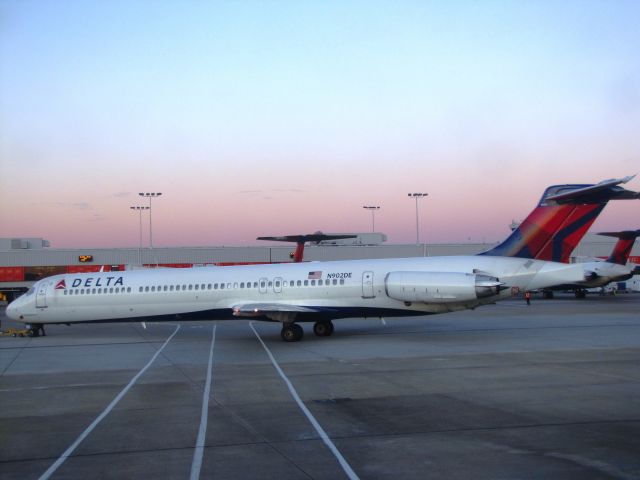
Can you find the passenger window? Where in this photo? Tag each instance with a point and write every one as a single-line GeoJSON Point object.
{"type": "Point", "coordinates": [209, 287]}
{"type": "Point", "coordinates": [313, 283]}
{"type": "Point", "coordinates": [222, 286]}
{"type": "Point", "coordinates": [306, 283]}
{"type": "Point", "coordinates": [299, 283]}
{"type": "Point", "coordinates": [342, 281]}
{"type": "Point", "coordinates": [270, 284]}
{"type": "Point", "coordinates": [215, 286]}
{"type": "Point", "coordinates": [229, 285]}
{"type": "Point", "coordinates": [241, 284]}
{"type": "Point", "coordinates": [335, 281]}
{"type": "Point", "coordinates": [202, 287]}
{"type": "Point", "coordinates": [319, 282]}
{"type": "Point", "coordinates": [197, 287]}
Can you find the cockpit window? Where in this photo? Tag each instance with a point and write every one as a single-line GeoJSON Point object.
{"type": "Point", "coordinates": [30, 291]}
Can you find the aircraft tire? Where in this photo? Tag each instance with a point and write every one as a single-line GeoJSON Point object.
{"type": "Point", "coordinates": [323, 329]}
{"type": "Point", "coordinates": [292, 333]}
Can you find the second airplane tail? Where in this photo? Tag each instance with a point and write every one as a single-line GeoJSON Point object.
{"type": "Point", "coordinates": [622, 250]}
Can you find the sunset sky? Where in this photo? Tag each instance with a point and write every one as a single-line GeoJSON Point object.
{"type": "Point", "coordinates": [285, 117]}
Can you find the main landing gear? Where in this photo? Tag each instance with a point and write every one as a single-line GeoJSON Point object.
{"type": "Point", "coordinates": [292, 332]}
{"type": "Point", "coordinates": [323, 329]}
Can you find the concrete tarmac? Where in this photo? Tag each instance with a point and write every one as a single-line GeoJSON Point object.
{"type": "Point", "coordinates": [508, 391]}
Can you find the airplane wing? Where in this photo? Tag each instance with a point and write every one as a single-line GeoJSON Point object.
{"type": "Point", "coordinates": [603, 191]}
{"type": "Point", "coordinates": [271, 309]}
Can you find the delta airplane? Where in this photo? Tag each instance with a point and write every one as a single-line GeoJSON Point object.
{"type": "Point", "coordinates": [599, 273]}
{"type": "Point", "coordinates": [323, 291]}
{"type": "Point", "coordinates": [288, 293]}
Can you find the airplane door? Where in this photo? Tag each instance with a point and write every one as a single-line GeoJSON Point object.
{"type": "Point", "coordinates": [262, 285]}
{"type": "Point", "coordinates": [367, 285]}
{"type": "Point", "coordinates": [41, 295]}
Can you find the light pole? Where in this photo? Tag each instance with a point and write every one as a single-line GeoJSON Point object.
{"type": "Point", "coordinates": [150, 196]}
{"type": "Point", "coordinates": [372, 209]}
{"type": "Point", "coordinates": [140, 209]}
{"type": "Point", "coordinates": [417, 196]}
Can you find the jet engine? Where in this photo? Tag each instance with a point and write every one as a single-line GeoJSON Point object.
{"type": "Point", "coordinates": [440, 287]}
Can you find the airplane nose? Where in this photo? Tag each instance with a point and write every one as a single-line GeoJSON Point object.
{"type": "Point", "coordinates": [11, 311]}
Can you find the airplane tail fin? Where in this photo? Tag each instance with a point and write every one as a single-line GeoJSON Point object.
{"type": "Point", "coordinates": [623, 247]}
{"type": "Point", "coordinates": [300, 240]}
{"type": "Point", "coordinates": [560, 220]}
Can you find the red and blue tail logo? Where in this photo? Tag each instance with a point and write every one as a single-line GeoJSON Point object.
{"type": "Point", "coordinates": [561, 219]}
{"type": "Point", "coordinates": [622, 250]}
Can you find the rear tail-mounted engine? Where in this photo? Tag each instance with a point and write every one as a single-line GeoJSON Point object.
{"type": "Point", "coordinates": [440, 287]}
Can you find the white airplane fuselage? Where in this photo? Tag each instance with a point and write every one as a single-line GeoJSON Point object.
{"type": "Point", "coordinates": [600, 273]}
{"type": "Point", "coordinates": [288, 292]}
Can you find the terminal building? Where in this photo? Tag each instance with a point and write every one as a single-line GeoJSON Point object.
{"type": "Point", "coordinates": [23, 261]}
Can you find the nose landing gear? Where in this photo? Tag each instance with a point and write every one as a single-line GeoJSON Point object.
{"type": "Point", "coordinates": [36, 329]}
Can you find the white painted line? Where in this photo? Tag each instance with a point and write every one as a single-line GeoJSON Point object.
{"type": "Point", "coordinates": [325, 438]}
{"type": "Point", "coordinates": [196, 465]}
{"type": "Point", "coordinates": [106, 412]}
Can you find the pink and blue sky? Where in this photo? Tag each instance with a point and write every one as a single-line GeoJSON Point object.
{"type": "Point", "coordinates": [282, 117]}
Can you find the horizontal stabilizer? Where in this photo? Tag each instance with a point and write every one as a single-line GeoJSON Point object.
{"type": "Point", "coordinates": [312, 237]}
{"type": "Point", "coordinates": [300, 240]}
{"type": "Point", "coordinates": [624, 234]}
{"type": "Point", "coordinates": [600, 192]}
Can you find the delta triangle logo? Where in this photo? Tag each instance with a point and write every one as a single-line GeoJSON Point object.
{"type": "Point", "coordinates": [61, 285]}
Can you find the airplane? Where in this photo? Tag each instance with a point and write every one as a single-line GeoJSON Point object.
{"type": "Point", "coordinates": [599, 273]}
{"type": "Point", "coordinates": [317, 292]}
{"type": "Point", "coordinates": [288, 293]}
